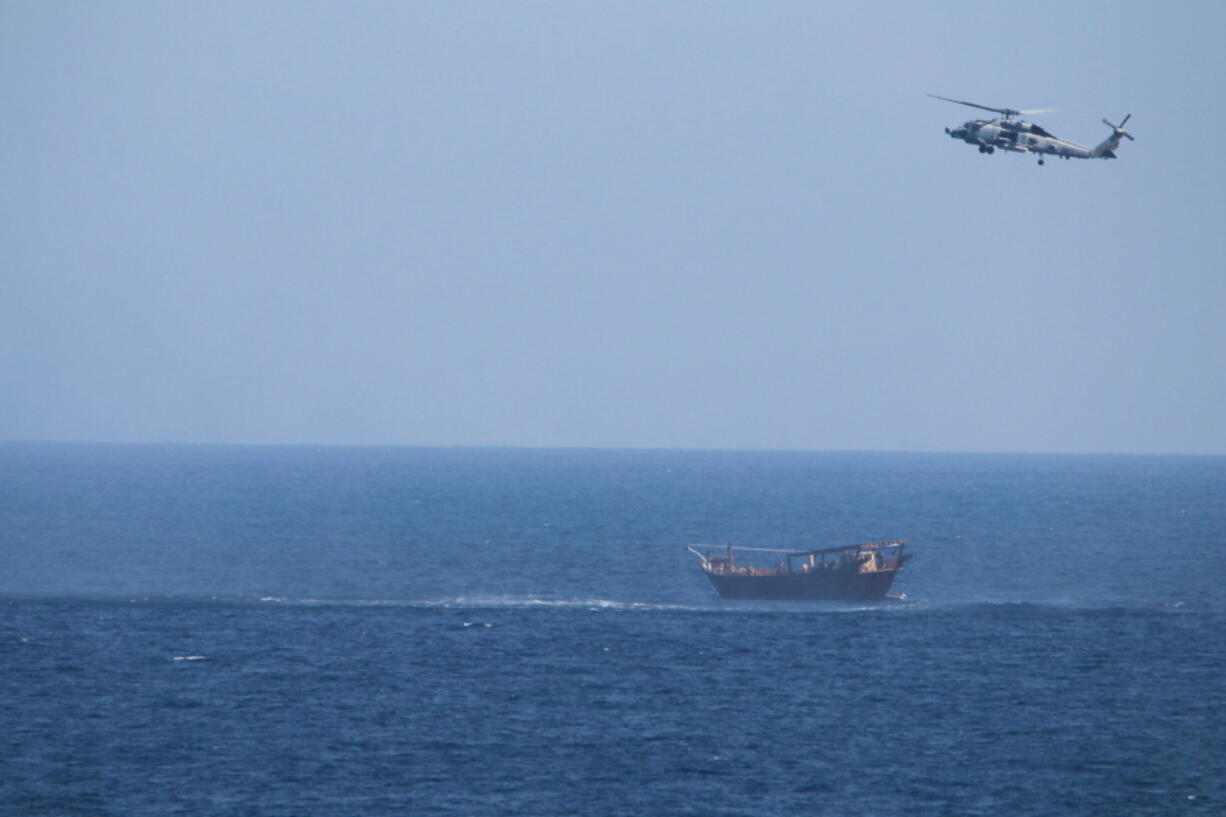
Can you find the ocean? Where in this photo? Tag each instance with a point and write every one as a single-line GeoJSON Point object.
{"type": "Point", "coordinates": [311, 631]}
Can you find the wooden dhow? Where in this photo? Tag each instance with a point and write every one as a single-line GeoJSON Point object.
{"type": "Point", "coordinates": [848, 573]}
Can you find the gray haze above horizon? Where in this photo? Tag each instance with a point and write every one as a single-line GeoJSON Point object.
{"type": "Point", "coordinates": [639, 224]}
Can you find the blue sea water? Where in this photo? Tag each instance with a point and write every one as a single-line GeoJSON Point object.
{"type": "Point", "coordinates": [403, 631]}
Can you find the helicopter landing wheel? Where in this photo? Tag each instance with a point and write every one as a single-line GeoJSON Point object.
{"type": "Point", "coordinates": [1040, 163]}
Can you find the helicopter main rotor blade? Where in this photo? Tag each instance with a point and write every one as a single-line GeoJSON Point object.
{"type": "Point", "coordinates": [1005, 111]}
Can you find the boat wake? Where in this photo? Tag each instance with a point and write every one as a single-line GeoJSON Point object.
{"type": "Point", "coordinates": [487, 602]}
{"type": "Point", "coordinates": [717, 606]}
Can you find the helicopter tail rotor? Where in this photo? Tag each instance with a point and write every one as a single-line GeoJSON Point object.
{"type": "Point", "coordinates": [1119, 129]}
{"type": "Point", "coordinates": [1107, 149]}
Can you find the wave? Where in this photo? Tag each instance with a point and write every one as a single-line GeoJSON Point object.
{"type": "Point", "coordinates": [713, 606]}
{"type": "Point", "coordinates": [473, 602]}
{"type": "Point", "coordinates": [1055, 606]}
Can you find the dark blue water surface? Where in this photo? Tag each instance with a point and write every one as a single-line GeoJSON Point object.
{"type": "Point", "coordinates": [349, 631]}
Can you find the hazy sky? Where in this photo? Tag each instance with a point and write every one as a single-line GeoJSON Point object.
{"type": "Point", "coordinates": [649, 224]}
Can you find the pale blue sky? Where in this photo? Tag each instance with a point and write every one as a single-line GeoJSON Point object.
{"type": "Point", "coordinates": [689, 224]}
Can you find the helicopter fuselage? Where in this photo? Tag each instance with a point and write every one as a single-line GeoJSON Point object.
{"type": "Point", "coordinates": [1023, 137]}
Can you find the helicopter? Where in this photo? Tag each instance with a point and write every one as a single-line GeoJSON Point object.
{"type": "Point", "coordinates": [1019, 136]}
